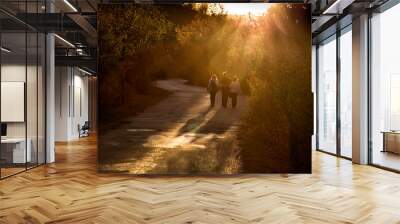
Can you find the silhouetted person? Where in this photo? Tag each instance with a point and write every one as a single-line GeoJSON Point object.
{"type": "Point", "coordinates": [234, 91]}
{"type": "Point", "coordinates": [225, 85]}
{"type": "Point", "coordinates": [212, 88]}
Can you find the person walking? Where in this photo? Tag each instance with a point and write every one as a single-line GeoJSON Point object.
{"type": "Point", "coordinates": [234, 91]}
{"type": "Point", "coordinates": [212, 89]}
{"type": "Point", "coordinates": [225, 85]}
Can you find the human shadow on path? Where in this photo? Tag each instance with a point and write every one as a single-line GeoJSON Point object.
{"type": "Point", "coordinates": [126, 142]}
{"type": "Point", "coordinates": [212, 148]}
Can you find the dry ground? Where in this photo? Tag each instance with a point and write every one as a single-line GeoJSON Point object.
{"type": "Point", "coordinates": [179, 135]}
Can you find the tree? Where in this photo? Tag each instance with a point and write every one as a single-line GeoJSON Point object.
{"type": "Point", "coordinates": [279, 120]}
{"type": "Point", "coordinates": [125, 32]}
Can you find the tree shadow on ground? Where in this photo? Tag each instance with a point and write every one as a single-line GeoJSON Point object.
{"type": "Point", "coordinates": [179, 135]}
{"type": "Point", "coordinates": [124, 143]}
{"type": "Point", "coordinates": [220, 153]}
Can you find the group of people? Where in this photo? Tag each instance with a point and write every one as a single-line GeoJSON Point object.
{"type": "Point", "coordinates": [230, 88]}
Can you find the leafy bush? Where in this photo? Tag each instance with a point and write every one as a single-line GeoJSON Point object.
{"type": "Point", "coordinates": [277, 126]}
{"type": "Point", "coordinates": [271, 55]}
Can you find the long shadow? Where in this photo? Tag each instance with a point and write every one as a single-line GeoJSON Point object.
{"type": "Point", "coordinates": [193, 123]}
{"type": "Point", "coordinates": [125, 145]}
{"type": "Point", "coordinates": [219, 155]}
{"type": "Point", "coordinates": [220, 122]}
{"type": "Point", "coordinates": [125, 142]}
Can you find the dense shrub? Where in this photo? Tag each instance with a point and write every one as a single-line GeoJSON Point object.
{"type": "Point", "coordinates": [271, 55]}
{"type": "Point", "coordinates": [277, 126]}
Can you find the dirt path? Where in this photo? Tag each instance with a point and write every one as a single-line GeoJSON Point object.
{"type": "Point", "coordinates": [179, 135]}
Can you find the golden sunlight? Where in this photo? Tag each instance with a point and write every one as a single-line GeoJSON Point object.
{"type": "Point", "coordinates": [256, 9]}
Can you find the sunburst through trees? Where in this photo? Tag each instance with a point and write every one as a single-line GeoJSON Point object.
{"type": "Point", "coordinates": [270, 53]}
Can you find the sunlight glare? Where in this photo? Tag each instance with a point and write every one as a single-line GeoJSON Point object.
{"type": "Point", "coordinates": [256, 9]}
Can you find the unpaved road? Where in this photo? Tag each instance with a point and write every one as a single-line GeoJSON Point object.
{"type": "Point", "coordinates": [179, 135]}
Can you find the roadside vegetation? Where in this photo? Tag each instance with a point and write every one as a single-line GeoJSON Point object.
{"type": "Point", "coordinates": [270, 54]}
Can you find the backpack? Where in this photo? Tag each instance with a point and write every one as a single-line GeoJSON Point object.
{"type": "Point", "coordinates": [212, 87]}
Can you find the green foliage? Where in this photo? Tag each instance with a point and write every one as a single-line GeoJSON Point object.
{"type": "Point", "coordinates": [271, 55]}
{"type": "Point", "coordinates": [278, 122]}
{"type": "Point", "coordinates": [123, 31]}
